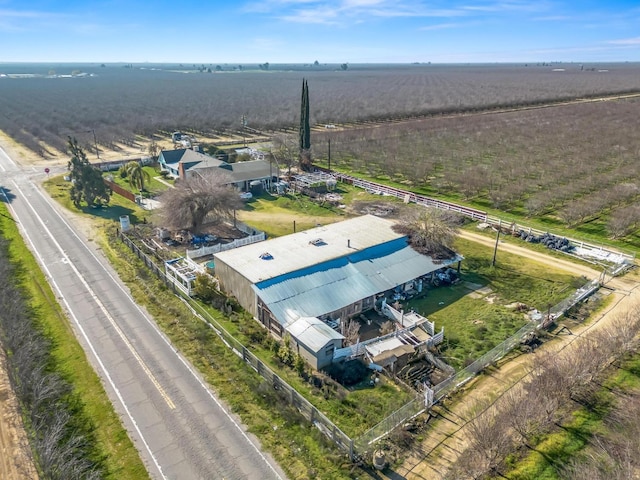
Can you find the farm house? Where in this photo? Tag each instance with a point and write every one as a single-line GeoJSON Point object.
{"type": "Point", "coordinates": [183, 163]}
{"type": "Point", "coordinates": [329, 274]}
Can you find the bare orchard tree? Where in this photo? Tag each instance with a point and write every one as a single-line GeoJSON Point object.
{"type": "Point", "coordinates": [285, 151]}
{"type": "Point", "coordinates": [430, 231]}
{"type": "Point", "coordinates": [525, 413]}
{"type": "Point", "coordinates": [188, 204]}
{"type": "Point", "coordinates": [614, 453]}
{"type": "Point", "coordinates": [489, 443]}
{"type": "Point", "coordinates": [620, 337]}
{"type": "Point", "coordinates": [623, 221]}
{"type": "Point", "coordinates": [351, 331]}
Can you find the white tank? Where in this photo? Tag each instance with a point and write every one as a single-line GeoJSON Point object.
{"type": "Point", "coordinates": [124, 223]}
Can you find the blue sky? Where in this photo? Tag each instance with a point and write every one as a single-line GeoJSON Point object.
{"type": "Point", "coordinates": [302, 31]}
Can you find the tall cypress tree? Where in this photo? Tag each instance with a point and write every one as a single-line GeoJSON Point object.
{"type": "Point", "coordinates": [305, 129]}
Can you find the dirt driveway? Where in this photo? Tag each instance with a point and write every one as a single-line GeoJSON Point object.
{"type": "Point", "coordinates": [445, 437]}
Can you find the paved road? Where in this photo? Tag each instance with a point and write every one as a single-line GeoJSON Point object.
{"type": "Point", "coordinates": [177, 423]}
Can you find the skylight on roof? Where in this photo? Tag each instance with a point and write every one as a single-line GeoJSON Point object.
{"type": "Point", "coordinates": [266, 256]}
{"type": "Point", "coordinates": [318, 242]}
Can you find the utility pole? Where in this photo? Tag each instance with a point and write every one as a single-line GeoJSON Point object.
{"type": "Point", "coordinates": [95, 142]}
{"type": "Point", "coordinates": [329, 154]}
{"type": "Point", "coordinates": [244, 127]}
{"type": "Point", "coordinates": [495, 250]}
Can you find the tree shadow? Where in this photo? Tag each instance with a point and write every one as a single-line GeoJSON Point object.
{"type": "Point", "coordinates": [110, 212]}
{"type": "Point", "coordinates": [6, 196]}
{"type": "Point", "coordinates": [388, 474]}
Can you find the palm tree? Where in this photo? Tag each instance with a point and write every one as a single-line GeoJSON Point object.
{"type": "Point", "coordinates": [136, 175]}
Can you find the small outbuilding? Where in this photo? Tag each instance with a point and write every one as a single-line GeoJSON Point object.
{"type": "Point", "coordinates": [314, 340]}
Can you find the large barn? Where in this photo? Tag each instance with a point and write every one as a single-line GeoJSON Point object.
{"type": "Point", "coordinates": [308, 281]}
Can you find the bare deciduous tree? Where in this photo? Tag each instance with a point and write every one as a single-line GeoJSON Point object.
{"type": "Point", "coordinates": [351, 331]}
{"type": "Point", "coordinates": [285, 151]}
{"type": "Point", "coordinates": [430, 231]}
{"type": "Point", "coordinates": [489, 439]}
{"type": "Point", "coordinates": [188, 205]}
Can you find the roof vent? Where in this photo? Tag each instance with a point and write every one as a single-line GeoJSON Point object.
{"type": "Point", "coordinates": [318, 242]}
{"type": "Point", "coordinates": [266, 256]}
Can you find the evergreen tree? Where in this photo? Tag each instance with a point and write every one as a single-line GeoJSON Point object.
{"type": "Point", "coordinates": [305, 129]}
{"type": "Point", "coordinates": [88, 185]}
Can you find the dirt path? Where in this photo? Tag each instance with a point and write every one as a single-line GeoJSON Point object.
{"type": "Point", "coordinates": [445, 438]}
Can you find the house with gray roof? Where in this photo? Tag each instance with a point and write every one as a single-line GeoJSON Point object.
{"type": "Point", "coordinates": [184, 163]}
{"type": "Point", "coordinates": [329, 274]}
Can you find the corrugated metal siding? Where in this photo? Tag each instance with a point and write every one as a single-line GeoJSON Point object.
{"type": "Point", "coordinates": [235, 284]}
{"type": "Point", "coordinates": [314, 334]}
{"type": "Point", "coordinates": [337, 284]}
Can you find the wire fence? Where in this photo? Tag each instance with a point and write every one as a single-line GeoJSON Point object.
{"type": "Point", "coordinates": [401, 416]}
{"type": "Point", "coordinates": [286, 392]}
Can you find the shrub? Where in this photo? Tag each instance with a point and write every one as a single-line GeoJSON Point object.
{"type": "Point", "coordinates": [348, 373]}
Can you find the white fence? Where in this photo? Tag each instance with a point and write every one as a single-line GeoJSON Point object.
{"type": "Point", "coordinates": [379, 189]}
{"type": "Point", "coordinates": [221, 247]}
{"type": "Point", "coordinates": [584, 249]}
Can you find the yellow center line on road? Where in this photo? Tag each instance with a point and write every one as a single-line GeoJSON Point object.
{"type": "Point", "coordinates": [133, 351]}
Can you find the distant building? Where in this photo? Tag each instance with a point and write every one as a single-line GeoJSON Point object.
{"type": "Point", "coordinates": [308, 283]}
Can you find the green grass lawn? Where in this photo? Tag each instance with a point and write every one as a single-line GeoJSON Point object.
{"type": "Point", "coordinates": [284, 214]}
{"type": "Point", "coordinates": [473, 326]}
{"type": "Point", "coordinates": [113, 446]}
{"type": "Point", "coordinates": [152, 188]}
{"type": "Point", "coordinates": [58, 189]}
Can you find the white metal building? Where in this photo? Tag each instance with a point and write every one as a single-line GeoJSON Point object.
{"type": "Point", "coordinates": [329, 273]}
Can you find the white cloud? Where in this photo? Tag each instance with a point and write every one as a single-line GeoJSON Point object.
{"type": "Point", "coordinates": [626, 41]}
{"type": "Point", "coordinates": [442, 26]}
{"type": "Point", "coordinates": [26, 20]}
{"type": "Point", "coordinates": [350, 11]}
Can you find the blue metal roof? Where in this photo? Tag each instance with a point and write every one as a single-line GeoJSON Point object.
{"type": "Point", "coordinates": [335, 284]}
